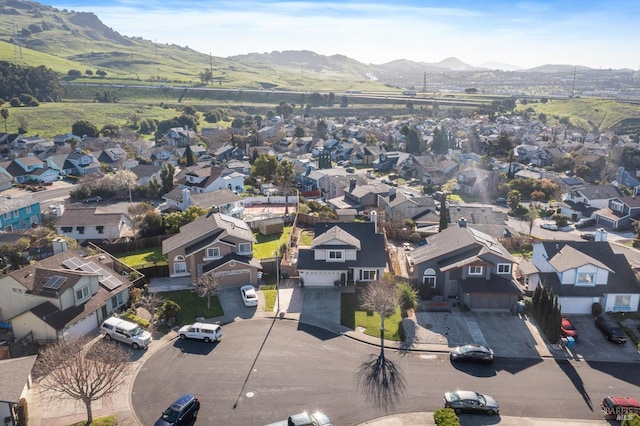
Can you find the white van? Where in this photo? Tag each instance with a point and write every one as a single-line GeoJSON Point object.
{"type": "Point", "coordinates": [126, 332]}
{"type": "Point", "coordinates": [201, 331]}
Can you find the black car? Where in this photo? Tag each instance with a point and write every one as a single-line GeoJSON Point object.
{"type": "Point", "coordinates": [471, 402]}
{"type": "Point", "coordinates": [471, 353]}
{"type": "Point", "coordinates": [181, 412]}
{"type": "Point", "coordinates": [589, 236]}
{"type": "Point", "coordinates": [611, 330]}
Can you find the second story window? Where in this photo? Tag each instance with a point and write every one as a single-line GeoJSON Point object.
{"type": "Point", "coordinates": [475, 270]}
{"type": "Point", "coordinates": [335, 255]}
{"type": "Point", "coordinates": [504, 268]}
{"type": "Point", "coordinates": [80, 230]}
{"type": "Point", "coordinates": [100, 229]}
{"type": "Point", "coordinates": [213, 252]}
{"type": "Point", "coordinates": [82, 293]}
{"type": "Point", "coordinates": [244, 248]}
{"type": "Point", "coordinates": [66, 229]}
{"type": "Point", "coordinates": [16, 213]}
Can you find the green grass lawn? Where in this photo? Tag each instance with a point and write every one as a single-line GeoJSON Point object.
{"type": "Point", "coordinates": [143, 258]}
{"type": "Point", "coordinates": [352, 317]}
{"type": "Point", "coordinates": [102, 421]}
{"type": "Point", "coordinates": [305, 238]}
{"type": "Point", "coordinates": [192, 306]}
{"type": "Point", "coordinates": [269, 299]}
{"type": "Point", "coordinates": [268, 244]}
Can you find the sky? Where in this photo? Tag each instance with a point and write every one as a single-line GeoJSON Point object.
{"type": "Point", "coordinates": [594, 33]}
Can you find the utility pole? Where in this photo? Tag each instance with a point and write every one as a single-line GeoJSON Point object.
{"type": "Point", "coordinates": [277, 283]}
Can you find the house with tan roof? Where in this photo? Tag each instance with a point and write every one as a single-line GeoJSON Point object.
{"type": "Point", "coordinates": [217, 244]}
{"type": "Point", "coordinates": [205, 178]}
{"type": "Point", "coordinates": [90, 224]}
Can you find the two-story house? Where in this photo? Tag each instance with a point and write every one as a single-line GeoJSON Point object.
{"type": "Point", "coordinates": [399, 205]}
{"type": "Point", "coordinates": [63, 296]}
{"type": "Point", "coordinates": [596, 196]}
{"type": "Point", "coordinates": [343, 254]}
{"type": "Point", "coordinates": [205, 178]}
{"type": "Point", "coordinates": [76, 163]}
{"type": "Point", "coordinates": [90, 224]}
{"type": "Point", "coordinates": [222, 201]}
{"type": "Point", "coordinates": [30, 169]}
{"type": "Point", "coordinates": [19, 213]}
{"type": "Point", "coordinates": [216, 244]}
{"type": "Point", "coordinates": [582, 273]}
{"type": "Point", "coordinates": [114, 158]}
{"type": "Point", "coordinates": [466, 264]}
{"type": "Point", "coordinates": [619, 214]}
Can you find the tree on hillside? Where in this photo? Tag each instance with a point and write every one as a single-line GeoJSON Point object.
{"type": "Point", "coordinates": [73, 370]}
{"type": "Point", "coordinates": [264, 167]}
{"type": "Point", "coordinates": [84, 128]}
{"type": "Point", "coordinates": [5, 115]}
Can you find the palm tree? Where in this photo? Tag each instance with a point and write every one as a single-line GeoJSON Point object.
{"type": "Point", "coordinates": [284, 175]}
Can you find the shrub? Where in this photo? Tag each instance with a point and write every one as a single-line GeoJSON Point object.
{"type": "Point", "coordinates": [445, 417]}
{"type": "Point", "coordinates": [22, 413]}
{"type": "Point", "coordinates": [596, 309]}
{"type": "Point", "coordinates": [130, 316]}
{"type": "Point", "coordinates": [414, 238]}
{"type": "Point", "coordinates": [631, 420]}
{"type": "Point", "coordinates": [408, 297]}
{"type": "Point", "coordinates": [170, 311]}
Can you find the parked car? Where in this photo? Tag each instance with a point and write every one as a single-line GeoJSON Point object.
{"type": "Point", "coordinates": [126, 332]}
{"type": "Point", "coordinates": [589, 236]}
{"type": "Point", "coordinates": [611, 330]}
{"type": "Point", "coordinates": [471, 402]}
{"type": "Point", "coordinates": [585, 222]}
{"type": "Point", "coordinates": [181, 412]}
{"type": "Point", "coordinates": [249, 295]}
{"type": "Point", "coordinates": [94, 199]}
{"type": "Point", "coordinates": [471, 353]}
{"type": "Point", "coordinates": [567, 329]}
{"type": "Point", "coordinates": [616, 407]}
{"type": "Point", "coordinates": [201, 331]}
{"type": "Point", "coordinates": [549, 226]}
{"type": "Point", "coordinates": [304, 419]}
{"type": "Point", "coordinates": [500, 201]}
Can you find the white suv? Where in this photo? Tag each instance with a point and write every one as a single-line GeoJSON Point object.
{"type": "Point", "coordinates": [126, 332]}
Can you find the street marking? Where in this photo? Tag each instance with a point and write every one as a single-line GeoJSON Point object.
{"type": "Point", "coordinates": [250, 394]}
{"type": "Point", "coordinates": [421, 356]}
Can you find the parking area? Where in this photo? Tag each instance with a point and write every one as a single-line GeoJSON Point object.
{"type": "Point", "coordinates": [592, 346]}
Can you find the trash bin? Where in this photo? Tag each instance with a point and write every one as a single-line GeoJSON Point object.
{"type": "Point", "coordinates": [570, 342]}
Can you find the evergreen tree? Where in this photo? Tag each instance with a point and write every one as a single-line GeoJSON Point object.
{"type": "Point", "coordinates": [189, 156]}
{"type": "Point", "coordinates": [535, 301]}
{"type": "Point", "coordinates": [444, 213]}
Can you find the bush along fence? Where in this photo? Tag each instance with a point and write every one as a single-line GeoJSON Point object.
{"type": "Point", "coordinates": [546, 311]}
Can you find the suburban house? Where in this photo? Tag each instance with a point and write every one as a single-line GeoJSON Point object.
{"type": "Point", "coordinates": [597, 196]}
{"type": "Point", "coordinates": [89, 224]}
{"type": "Point", "coordinates": [222, 201]}
{"type": "Point", "coordinates": [582, 273]}
{"type": "Point", "coordinates": [76, 163]}
{"type": "Point", "coordinates": [619, 214]}
{"type": "Point", "coordinates": [114, 158]}
{"type": "Point", "coordinates": [342, 254]}
{"type": "Point", "coordinates": [478, 182]}
{"type": "Point", "coordinates": [145, 173]}
{"type": "Point", "coordinates": [216, 244]}
{"type": "Point", "coordinates": [207, 178]}
{"type": "Point", "coordinates": [493, 222]}
{"type": "Point", "coordinates": [400, 205]}
{"type": "Point", "coordinates": [30, 169]}
{"type": "Point", "coordinates": [63, 296]}
{"type": "Point", "coordinates": [466, 264]}
{"type": "Point", "coordinates": [19, 213]}
{"type": "Point", "coordinates": [15, 376]}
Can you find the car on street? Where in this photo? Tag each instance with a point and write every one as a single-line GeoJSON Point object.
{"type": "Point", "coordinates": [471, 353]}
{"type": "Point", "coordinates": [567, 329]}
{"type": "Point", "coordinates": [201, 331]}
{"type": "Point", "coordinates": [549, 226]}
{"type": "Point", "coordinates": [95, 199]}
{"type": "Point", "coordinates": [471, 402]}
{"type": "Point", "coordinates": [589, 236]}
{"type": "Point", "coordinates": [585, 222]}
{"type": "Point", "coordinates": [182, 412]}
{"type": "Point", "coordinates": [610, 329]}
{"type": "Point", "coordinates": [304, 419]}
{"type": "Point", "coordinates": [249, 295]}
{"type": "Point", "coordinates": [616, 407]}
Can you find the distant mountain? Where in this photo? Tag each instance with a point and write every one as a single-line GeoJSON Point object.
{"type": "Point", "coordinates": [499, 66]}
{"type": "Point", "coordinates": [550, 68]}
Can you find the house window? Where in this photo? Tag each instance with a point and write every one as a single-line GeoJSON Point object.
{"type": "Point", "coordinates": [82, 293]}
{"type": "Point", "coordinates": [504, 268]}
{"type": "Point", "coordinates": [100, 229]}
{"type": "Point", "coordinates": [586, 278]}
{"type": "Point", "coordinates": [475, 270]}
{"type": "Point", "coordinates": [66, 229]}
{"type": "Point", "coordinates": [213, 252]}
{"type": "Point", "coordinates": [179, 265]}
{"type": "Point", "coordinates": [117, 300]}
{"type": "Point", "coordinates": [244, 248]}
{"type": "Point", "coordinates": [335, 255]}
{"type": "Point", "coordinates": [368, 275]}
{"type": "Point", "coordinates": [16, 213]}
{"type": "Point", "coordinates": [23, 224]}
{"type": "Point", "coordinates": [80, 230]}
{"type": "Point", "coordinates": [429, 278]}
{"type": "Point", "coordinates": [28, 209]}
{"type": "Point", "coordinates": [617, 207]}
{"type": "Point", "coordinates": [7, 216]}
{"type": "Point", "coordinates": [8, 228]}
{"type": "Point", "coordinates": [622, 303]}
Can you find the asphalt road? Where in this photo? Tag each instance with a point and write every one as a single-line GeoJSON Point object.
{"type": "Point", "coordinates": [263, 371]}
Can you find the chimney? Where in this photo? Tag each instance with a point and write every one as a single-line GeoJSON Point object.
{"type": "Point", "coordinates": [352, 185]}
{"type": "Point", "coordinates": [462, 222]}
{"type": "Point", "coordinates": [374, 218]}
{"type": "Point", "coordinates": [186, 199]}
{"type": "Point", "coordinates": [392, 193]}
{"type": "Point", "coordinates": [59, 245]}
{"type": "Point", "coordinates": [601, 235]}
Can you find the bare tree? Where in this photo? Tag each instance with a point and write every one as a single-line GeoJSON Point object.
{"type": "Point", "coordinates": [531, 216]}
{"type": "Point", "coordinates": [71, 370]}
{"type": "Point", "coordinates": [379, 378]}
{"type": "Point", "coordinates": [151, 302]}
{"type": "Point", "coordinates": [207, 285]}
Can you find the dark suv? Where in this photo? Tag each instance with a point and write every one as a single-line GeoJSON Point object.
{"type": "Point", "coordinates": [611, 329]}
{"type": "Point", "coordinates": [181, 412]}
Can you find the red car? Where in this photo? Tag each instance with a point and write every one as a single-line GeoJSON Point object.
{"type": "Point", "coordinates": [567, 329]}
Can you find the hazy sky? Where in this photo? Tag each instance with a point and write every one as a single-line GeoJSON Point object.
{"type": "Point", "coordinates": [594, 33]}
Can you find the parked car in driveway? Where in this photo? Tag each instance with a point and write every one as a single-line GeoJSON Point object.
{"type": "Point", "coordinates": [567, 329]}
{"type": "Point", "coordinates": [249, 295]}
{"type": "Point", "coordinates": [589, 236]}
{"type": "Point", "coordinates": [611, 330]}
{"type": "Point", "coordinates": [182, 412]}
{"type": "Point", "coordinates": [126, 332]}
{"type": "Point", "coordinates": [471, 402]}
{"type": "Point", "coordinates": [471, 353]}
{"type": "Point", "coordinates": [94, 199]}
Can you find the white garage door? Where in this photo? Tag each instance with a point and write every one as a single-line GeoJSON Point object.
{"type": "Point", "coordinates": [575, 305]}
{"type": "Point", "coordinates": [320, 278]}
{"type": "Point", "coordinates": [82, 327]}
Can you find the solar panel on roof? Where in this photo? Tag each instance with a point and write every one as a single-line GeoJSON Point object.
{"type": "Point", "coordinates": [54, 282]}
{"type": "Point", "coordinates": [73, 263]}
{"type": "Point", "coordinates": [91, 267]}
{"type": "Point", "coordinates": [110, 282]}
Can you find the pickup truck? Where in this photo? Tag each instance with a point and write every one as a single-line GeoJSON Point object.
{"type": "Point", "coordinates": [201, 331]}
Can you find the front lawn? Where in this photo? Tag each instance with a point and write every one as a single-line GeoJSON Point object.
{"type": "Point", "coordinates": [268, 244]}
{"type": "Point", "coordinates": [351, 317]}
{"type": "Point", "coordinates": [192, 306]}
{"type": "Point", "coordinates": [143, 258]}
